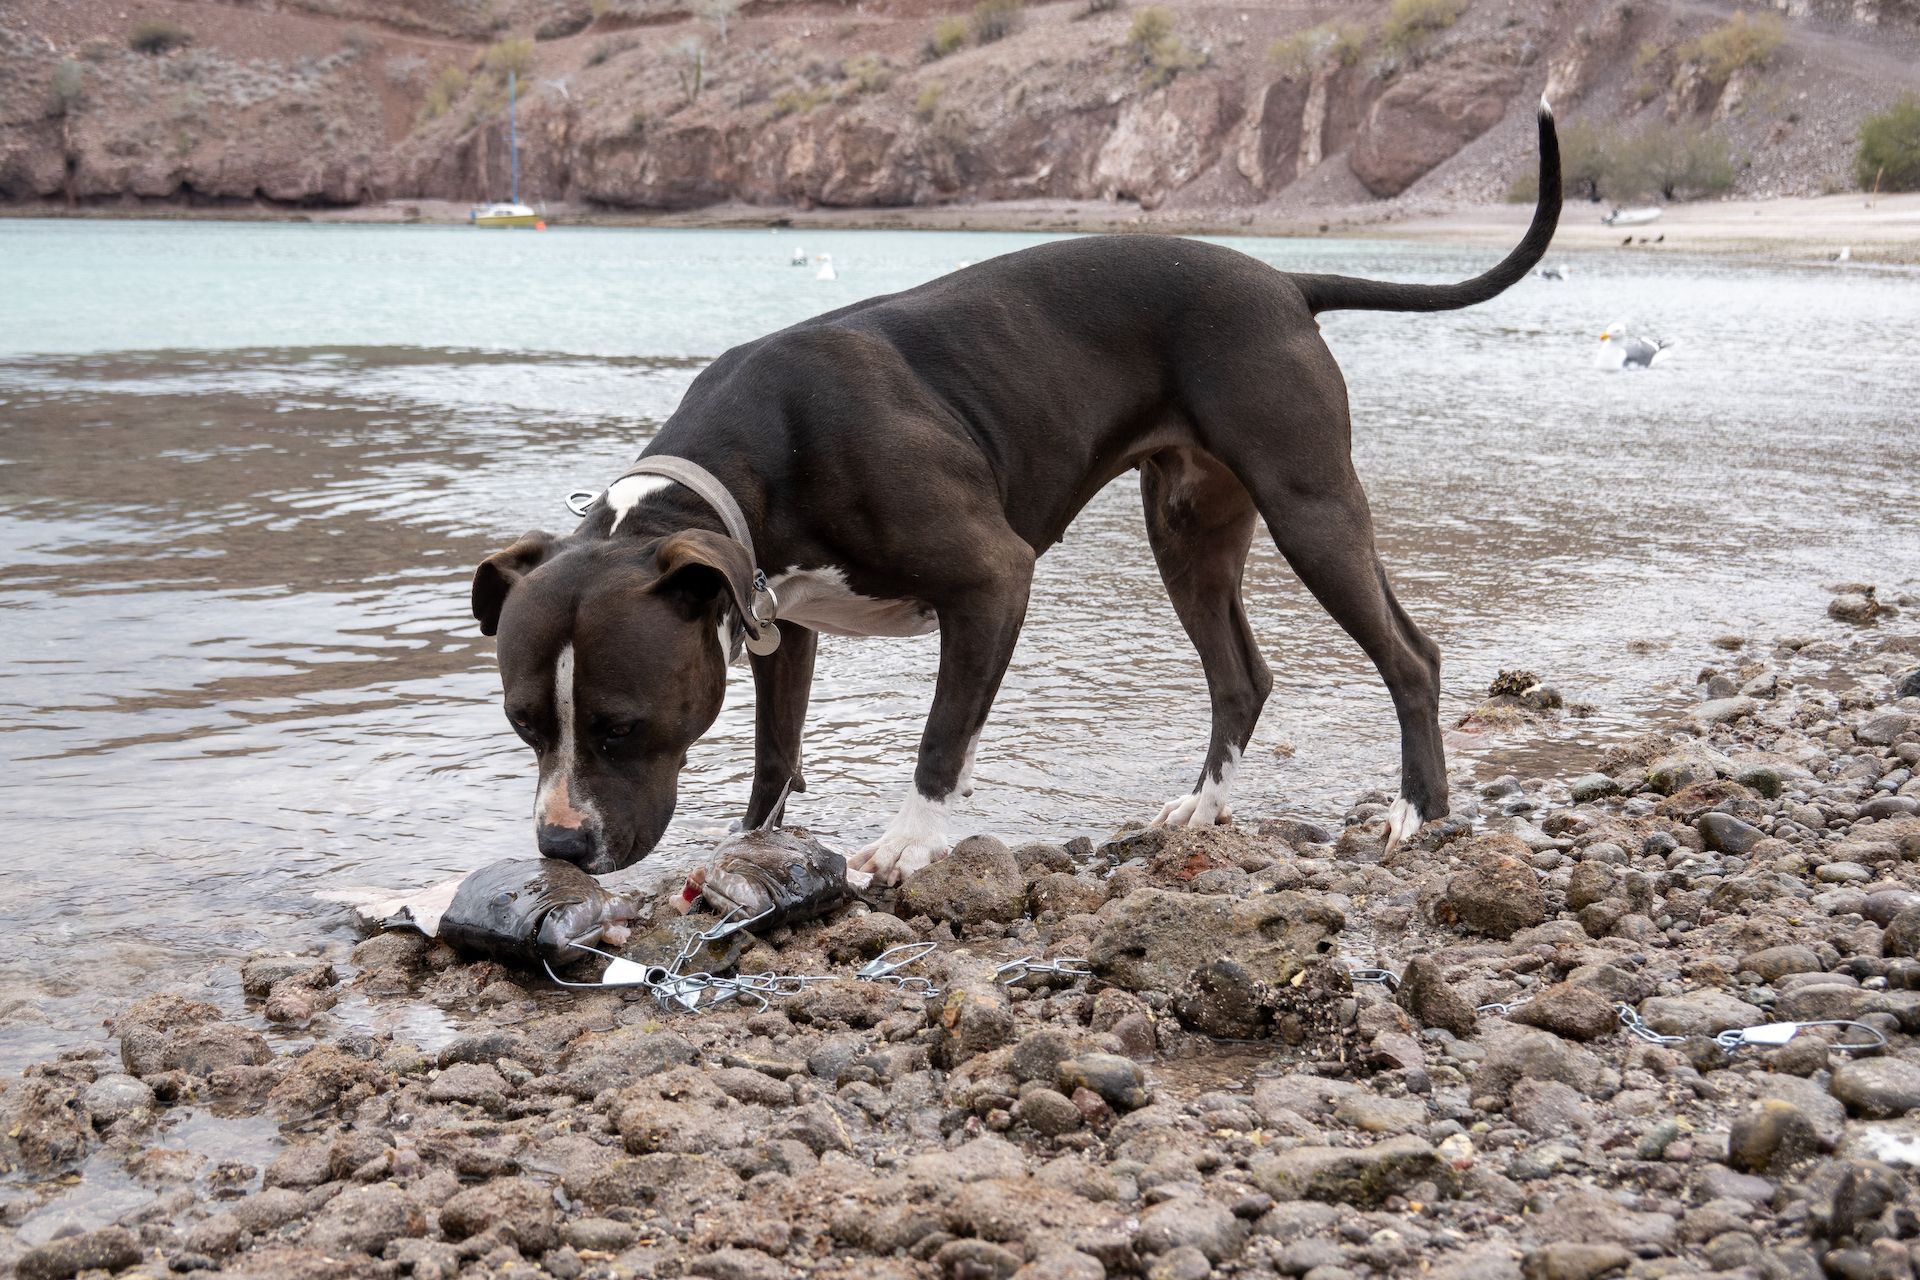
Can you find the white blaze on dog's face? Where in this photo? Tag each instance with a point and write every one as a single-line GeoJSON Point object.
{"type": "Point", "coordinates": [611, 669]}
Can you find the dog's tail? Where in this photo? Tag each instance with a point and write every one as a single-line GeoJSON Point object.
{"type": "Point", "coordinates": [1336, 293]}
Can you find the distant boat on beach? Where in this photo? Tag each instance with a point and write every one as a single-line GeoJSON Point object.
{"type": "Point", "coordinates": [1631, 217]}
{"type": "Point", "coordinates": [510, 212]}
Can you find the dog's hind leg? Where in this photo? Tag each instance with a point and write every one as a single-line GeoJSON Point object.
{"type": "Point", "coordinates": [1200, 522]}
{"type": "Point", "coordinates": [1326, 534]}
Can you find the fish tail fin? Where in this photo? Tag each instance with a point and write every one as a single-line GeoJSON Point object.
{"type": "Point", "coordinates": [779, 810]}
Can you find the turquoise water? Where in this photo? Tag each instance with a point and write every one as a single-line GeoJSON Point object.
{"type": "Point", "coordinates": [246, 470]}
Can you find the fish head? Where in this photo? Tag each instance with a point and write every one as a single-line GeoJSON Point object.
{"type": "Point", "coordinates": [612, 667]}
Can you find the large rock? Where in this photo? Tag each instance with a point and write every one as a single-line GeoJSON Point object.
{"type": "Point", "coordinates": [44, 1126]}
{"type": "Point", "coordinates": [1769, 1135]}
{"type": "Point", "coordinates": [1361, 1176]}
{"type": "Point", "coordinates": [1570, 1009]}
{"type": "Point", "coordinates": [1425, 993]}
{"type": "Point", "coordinates": [1153, 939]}
{"type": "Point", "coordinates": [1699, 1013]}
{"type": "Point", "coordinates": [979, 881]}
{"type": "Point", "coordinates": [615, 1059]}
{"type": "Point", "coordinates": [1877, 1087]}
{"type": "Point", "coordinates": [522, 1207]}
{"type": "Point", "coordinates": [1589, 1216]}
{"type": "Point", "coordinates": [366, 1220]}
{"type": "Point", "coordinates": [1498, 895]}
{"type": "Point", "coordinates": [1428, 115]}
{"type": "Point", "coordinates": [1535, 1055]}
{"type": "Point", "coordinates": [108, 1249]}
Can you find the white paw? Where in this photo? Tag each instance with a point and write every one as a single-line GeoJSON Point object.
{"type": "Point", "coordinates": [1196, 809]}
{"type": "Point", "coordinates": [892, 858]}
{"type": "Point", "coordinates": [916, 837]}
{"type": "Point", "coordinates": [1403, 820]}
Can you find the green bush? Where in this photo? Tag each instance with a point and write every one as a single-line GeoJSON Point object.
{"type": "Point", "coordinates": [1740, 43]}
{"type": "Point", "coordinates": [1411, 21]}
{"type": "Point", "coordinates": [927, 101]}
{"type": "Point", "coordinates": [159, 36]}
{"type": "Point", "coordinates": [69, 86]}
{"type": "Point", "coordinates": [869, 72]}
{"type": "Point", "coordinates": [1298, 54]}
{"type": "Point", "coordinates": [1889, 158]}
{"type": "Point", "coordinates": [447, 88]}
{"type": "Point", "coordinates": [1670, 161]}
{"type": "Point", "coordinates": [798, 102]}
{"type": "Point", "coordinates": [514, 54]}
{"type": "Point", "coordinates": [1676, 162]}
{"type": "Point", "coordinates": [1295, 55]}
{"type": "Point", "coordinates": [1162, 54]}
{"type": "Point", "coordinates": [949, 36]}
{"type": "Point", "coordinates": [995, 19]}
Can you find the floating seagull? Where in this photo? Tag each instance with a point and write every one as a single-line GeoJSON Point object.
{"type": "Point", "coordinates": [1621, 350]}
{"type": "Point", "coordinates": [1845, 254]}
{"type": "Point", "coordinates": [799, 258]}
{"type": "Point", "coordinates": [1561, 272]}
{"type": "Point", "coordinates": [826, 271]}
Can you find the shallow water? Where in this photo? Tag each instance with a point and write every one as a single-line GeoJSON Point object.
{"type": "Point", "coordinates": [248, 470]}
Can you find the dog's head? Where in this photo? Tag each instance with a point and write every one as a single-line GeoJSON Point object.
{"type": "Point", "coordinates": [612, 665]}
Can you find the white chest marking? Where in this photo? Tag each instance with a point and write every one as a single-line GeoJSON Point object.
{"type": "Point", "coordinates": [624, 494]}
{"type": "Point", "coordinates": [821, 599]}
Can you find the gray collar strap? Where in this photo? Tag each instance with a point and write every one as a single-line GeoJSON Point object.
{"type": "Point", "coordinates": [762, 636]}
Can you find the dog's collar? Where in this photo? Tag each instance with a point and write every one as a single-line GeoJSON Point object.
{"type": "Point", "coordinates": [762, 636]}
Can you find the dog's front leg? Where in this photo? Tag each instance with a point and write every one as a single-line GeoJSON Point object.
{"type": "Point", "coordinates": [976, 643]}
{"type": "Point", "coordinates": [782, 682]}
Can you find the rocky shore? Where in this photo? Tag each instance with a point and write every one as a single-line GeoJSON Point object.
{"type": "Point", "coordinates": [1491, 1053]}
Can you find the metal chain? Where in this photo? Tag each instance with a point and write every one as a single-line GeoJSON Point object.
{"type": "Point", "coordinates": [672, 987]}
{"type": "Point", "coordinates": [1017, 971]}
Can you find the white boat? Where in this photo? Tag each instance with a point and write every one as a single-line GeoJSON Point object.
{"type": "Point", "coordinates": [509, 212]}
{"type": "Point", "coordinates": [503, 214]}
{"type": "Point", "coordinates": [1631, 217]}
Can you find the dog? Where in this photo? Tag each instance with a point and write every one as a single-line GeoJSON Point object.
{"type": "Point", "coordinates": [897, 467]}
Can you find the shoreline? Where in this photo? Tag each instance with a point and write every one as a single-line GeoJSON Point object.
{"type": "Point", "coordinates": [1287, 1048]}
{"type": "Point", "coordinates": [1879, 230]}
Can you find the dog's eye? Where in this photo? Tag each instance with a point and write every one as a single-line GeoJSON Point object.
{"type": "Point", "coordinates": [615, 732]}
{"type": "Point", "coordinates": [524, 729]}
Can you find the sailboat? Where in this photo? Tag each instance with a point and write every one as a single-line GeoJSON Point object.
{"type": "Point", "coordinates": [510, 213]}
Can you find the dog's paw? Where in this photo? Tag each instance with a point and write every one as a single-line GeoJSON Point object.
{"type": "Point", "coordinates": [1403, 822]}
{"type": "Point", "coordinates": [895, 856]}
{"type": "Point", "coordinates": [1196, 809]}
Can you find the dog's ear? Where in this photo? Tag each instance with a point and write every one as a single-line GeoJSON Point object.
{"type": "Point", "coordinates": [499, 571]}
{"type": "Point", "coordinates": [697, 566]}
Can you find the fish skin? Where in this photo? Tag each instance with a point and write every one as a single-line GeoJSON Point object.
{"type": "Point", "coordinates": [530, 909]}
{"type": "Point", "coordinates": [782, 869]}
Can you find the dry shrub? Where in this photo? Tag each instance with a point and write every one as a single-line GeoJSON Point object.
{"type": "Point", "coordinates": [1738, 44]}
{"type": "Point", "coordinates": [159, 36]}
{"type": "Point", "coordinates": [1409, 22]}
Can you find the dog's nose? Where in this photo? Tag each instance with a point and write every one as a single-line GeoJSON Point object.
{"type": "Point", "coordinates": [570, 844]}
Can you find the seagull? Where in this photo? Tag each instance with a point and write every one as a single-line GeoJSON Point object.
{"type": "Point", "coordinates": [826, 271]}
{"type": "Point", "coordinates": [1844, 255]}
{"type": "Point", "coordinates": [1562, 272]}
{"type": "Point", "coordinates": [1621, 350]}
{"type": "Point", "coordinates": [799, 258]}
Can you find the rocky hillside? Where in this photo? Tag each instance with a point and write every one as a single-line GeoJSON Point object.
{"type": "Point", "coordinates": [683, 104]}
